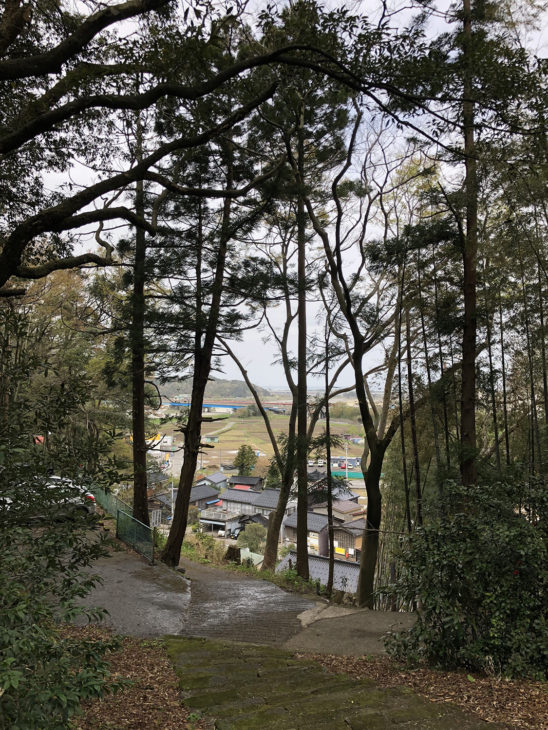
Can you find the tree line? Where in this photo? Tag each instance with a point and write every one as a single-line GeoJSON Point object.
{"type": "Point", "coordinates": [180, 172]}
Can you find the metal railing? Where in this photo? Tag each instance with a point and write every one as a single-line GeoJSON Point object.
{"type": "Point", "coordinates": [135, 534]}
{"type": "Point", "coordinates": [110, 502]}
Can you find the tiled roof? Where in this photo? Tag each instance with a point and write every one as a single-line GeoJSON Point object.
{"type": "Point", "coordinates": [345, 574]}
{"type": "Point", "coordinates": [315, 523]}
{"type": "Point", "coordinates": [203, 491]}
{"type": "Point", "coordinates": [267, 498]}
{"type": "Point", "coordinates": [342, 505]}
{"type": "Point", "coordinates": [252, 481]}
{"type": "Point", "coordinates": [238, 495]}
{"type": "Point", "coordinates": [355, 526]}
{"type": "Point", "coordinates": [217, 478]}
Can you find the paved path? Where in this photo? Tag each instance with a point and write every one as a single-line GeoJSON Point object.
{"type": "Point", "coordinates": [152, 600]}
{"type": "Point", "coordinates": [260, 685]}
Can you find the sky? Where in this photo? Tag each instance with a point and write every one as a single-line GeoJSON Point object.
{"type": "Point", "coordinates": [256, 353]}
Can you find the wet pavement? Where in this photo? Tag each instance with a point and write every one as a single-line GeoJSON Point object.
{"type": "Point", "coordinates": [238, 608]}
{"type": "Point", "coordinates": [152, 600]}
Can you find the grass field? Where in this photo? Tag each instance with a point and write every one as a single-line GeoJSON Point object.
{"type": "Point", "coordinates": [233, 432]}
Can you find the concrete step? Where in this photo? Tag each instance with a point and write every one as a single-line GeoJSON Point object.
{"type": "Point", "coordinates": [250, 687]}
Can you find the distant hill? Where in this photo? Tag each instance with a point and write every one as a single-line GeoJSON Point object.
{"type": "Point", "coordinates": [215, 389]}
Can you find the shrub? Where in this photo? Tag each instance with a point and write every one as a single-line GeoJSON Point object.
{"type": "Point", "coordinates": [43, 675]}
{"type": "Point", "coordinates": [479, 579]}
{"type": "Point", "coordinates": [253, 537]}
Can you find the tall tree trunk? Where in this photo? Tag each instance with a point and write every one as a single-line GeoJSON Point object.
{"type": "Point", "coordinates": [402, 435]}
{"type": "Point", "coordinates": [429, 380]}
{"type": "Point", "coordinates": [442, 370]}
{"type": "Point", "coordinates": [331, 532]}
{"type": "Point", "coordinates": [137, 339]}
{"type": "Point", "coordinates": [302, 411]}
{"type": "Point", "coordinates": [413, 422]}
{"type": "Point", "coordinates": [504, 389]}
{"type": "Point", "coordinates": [370, 542]}
{"type": "Point", "coordinates": [470, 247]}
{"type": "Point", "coordinates": [543, 342]}
{"type": "Point", "coordinates": [171, 553]}
{"type": "Point", "coordinates": [276, 518]}
{"type": "Point", "coordinates": [492, 388]}
{"type": "Point", "coordinates": [535, 431]}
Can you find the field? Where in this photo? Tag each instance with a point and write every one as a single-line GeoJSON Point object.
{"type": "Point", "coordinates": [232, 432]}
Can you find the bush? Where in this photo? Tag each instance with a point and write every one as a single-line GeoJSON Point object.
{"type": "Point", "coordinates": [43, 675]}
{"type": "Point", "coordinates": [479, 579]}
{"type": "Point", "coordinates": [253, 538]}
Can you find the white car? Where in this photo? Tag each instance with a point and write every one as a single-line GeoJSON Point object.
{"type": "Point", "coordinates": [60, 493]}
{"type": "Point", "coordinates": [73, 494]}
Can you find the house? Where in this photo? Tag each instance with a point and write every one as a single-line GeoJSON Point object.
{"type": "Point", "coordinates": [239, 501]}
{"type": "Point", "coordinates": [203, 496]}
{"type": "Point", "coordinates": [347, 539]}
{"type": "Point", "coordinates": [267, 501]}
{"type": "Point", "coordinates": [345, 574]}
{"type": "Point", "coordinates": [215, 519]}
{"type": "Point", "coordinates": [253, 519]}
{"type": "Point", "coordinates": [217, 480]}
{"type": "Point", "coordinates": [249, 502]}
{"type": "Point", "coordinates": [317, 534]}
{"type": "Point", "coordinates": [343, 509]}
{"type": "Point", "coordinates": [245, 483]}
{"type": "Point", "coordinates": [317, 490]}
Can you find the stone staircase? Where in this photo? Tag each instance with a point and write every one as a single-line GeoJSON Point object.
{"type": "Point", "coordinates": [249, 687]}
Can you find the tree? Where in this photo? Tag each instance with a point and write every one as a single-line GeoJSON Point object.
{"type": "Point", "coordinates": [245, 460]}
{"type": "Point", "coordinates": [253, 538]}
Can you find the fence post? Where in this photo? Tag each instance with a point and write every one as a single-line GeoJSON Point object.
{"type": "Point", "coordinates": [117, 522]}
{"type": "Point", "coordinates": [153, 542]}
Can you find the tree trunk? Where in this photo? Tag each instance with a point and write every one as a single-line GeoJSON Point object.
{"type": "Point", "coordinates": [504, 389]}
{"type": "Point", "coordinates": [543, 343]}
{"type": "Point", "coordinates": [276, 518]}
{"type": "Point", "coordinates": [492, 388]}
{"type": "Point", "coordinates": [331, 532]}
{"type": "Point", "coordinates": [370, 541]}
{"type": "Point", "coordinates": [413, 422]}
{"type": "Point", "coordinates": [302, 412]}
{"type": "Point", "coordinates": [171, 553]}
{"type": "Point", "coordinates": [470, 246]}
{"type": "Point", "coordinates": [140, 502]}
{"type": "Point", "coordinates": [429, 380]}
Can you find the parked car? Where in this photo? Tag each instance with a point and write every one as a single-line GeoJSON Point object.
{"type": "Point", "coordinates": [73, 494]}
{"type": "Point", "coordinates": [56, 497]}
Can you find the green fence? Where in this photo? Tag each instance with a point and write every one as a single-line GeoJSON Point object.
{"type": "Point", "coordinates": [110, 502]}
{"type": "Point", "coordinates": [134, 533]}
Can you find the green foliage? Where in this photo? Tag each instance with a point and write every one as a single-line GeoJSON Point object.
{"type": "Point", "coordinates": [343, 410]}
{"type": "Point", "coordinates": [245, 460]}
{"type": "Point", "coordinates": [44, 676]}
{"type": "Point", "coordinates": [250, 411]}
{"type": "Point", "coordinates": [479, 577]}
{"type": "Point", "coordinates": [253, 537]}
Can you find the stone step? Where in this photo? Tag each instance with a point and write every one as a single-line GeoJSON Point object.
{"type": "Point", "coordinates": [251, 687]}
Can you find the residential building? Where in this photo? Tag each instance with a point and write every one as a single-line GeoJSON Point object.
{"type": "Point", "coordinates": [343, 509]}
{"type": "Point", "coordinates": [345, 574]}
{"type": "Point", "coordinates": [245, 483]}
{"type": "Point", "coordinates": [217, 480]}
{"type": "Point", "coordinates": [317, 534]}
